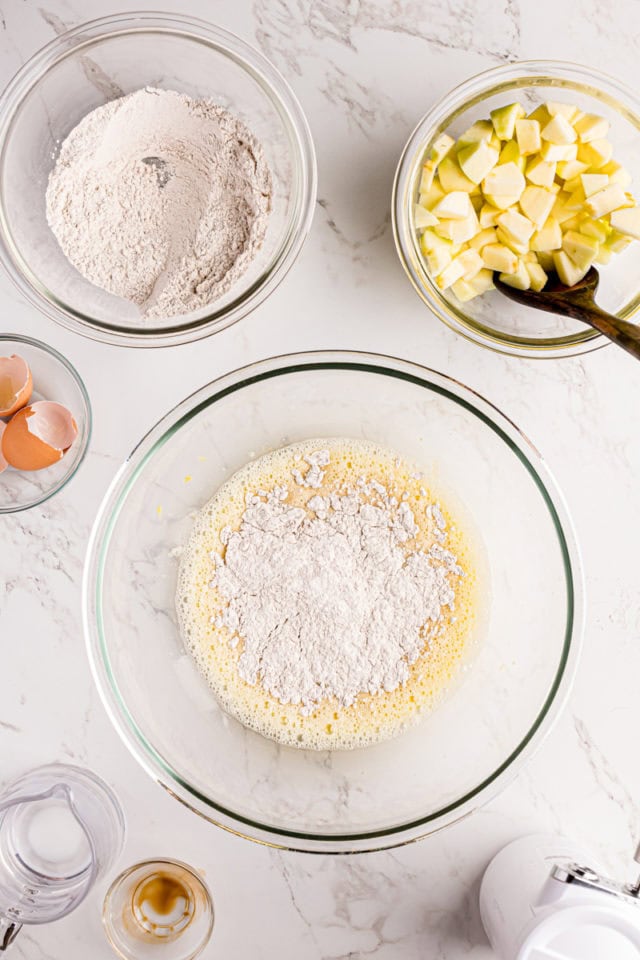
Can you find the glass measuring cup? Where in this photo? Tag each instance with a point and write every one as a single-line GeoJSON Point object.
{"type": "Point", "coordinates": [60, 827]}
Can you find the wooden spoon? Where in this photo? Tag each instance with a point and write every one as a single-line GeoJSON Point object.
{"type": "Point", "coordinates": [578, 302]}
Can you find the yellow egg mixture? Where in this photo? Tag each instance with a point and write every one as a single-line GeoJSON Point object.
{"type": "Point", "coordinates": [328, 725]}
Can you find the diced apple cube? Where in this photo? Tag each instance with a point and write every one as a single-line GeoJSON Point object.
{"type": "Point", "coordinates": [429, 198]}
{"type": "Point", "coordinates": [568, 271]}
{"type": "Point", "coordinates": [510, 153]}
{"type": "Point", "coordinates": [598, 229]}
{"type": "Point", "coordinates": [580, 248]}
{"type": "Point", "coordinates": [477, 202]}
{"type": "Point", "coordinates": [545, 259]}
{"type": "Point", "coordinates": [483, 238]}
{"type": "Point", "coordinates": [537, 276]}
{"type": "Point", "coordinates": [483, 281]}
{"type": "Point", "coordinates": [596, 153]}
{"type": "Point", "coordinates": [441, 147]}
{"type": "Point", "coordinates": [617, 241]}
{"type": "Point", "coordinates": [453, 206]}
{"type": "Point", "coordinates": [423, 218]}
{"type": "Point", "coordinates": [558, 130]}
{"type": "Point", "coordinates": [569, 169]}
{"type": "Point", "coordinates": [540, 172]}
{"type": "Point", "coordinates": [593, 182]}
{"type": "Point", "coordinates": [452, 272]}
{"type": "Point", "coordinates": [591, 127]}
{"type": "Point", "coordinates": [472, 263]}
{"type": "Point", "coordinates": [537, 203]}
{"type": "Point", "coordinates": [575, 222]}
{"type": "Point", "coordinates": [528, 136]}
{"type": "Point", "coordinates": [576, 199]}
{"type": "Point", "coordinates": [519, 279]}
{"type": "Point", "coordinates": [559, 211]}
{"type": "Point", "coordinates": [459, 231]}
{"type": "Point", "coordinates": [505, 180]}
{"type": "Point", "coordinates": [488, 216]}
{"type": "Point", "coordinates": [480, 130]}
{"type": "Point", "coordinates": [603, 256]}
{"type": "Point", "coordinates": [549, 237]}
{"type": "Point", "coordinates": [627, 222]}
{"type": "Point", "coordinates": [616, 173]}
{"type": "Point", "coordinates": [541, 115]}
{"type": "Point", "coordinates": [501, 202]}
{"type": "Point", "coordinates": [496, 256]}
{"type": "Point", "coordinates": [508, 241]}
{"type": "Point", "coordinates": [518, 227]}
{"type": "Point", "coordinates": [504, 119]}
{"type": "Point", "coordinates": [556, 152]}
{"type": "Point", "coordinates": [428, 174]}
{"type": "Point", "coordinates": [477, 160]}
{"type": "Point", "coordinates": [566, 110]}
{"type": "Point", "coordinates": [604, 201]}
{"type": "Point", "coordinates": [463, 290]}
{"type": "Point", "coordinates": [451, 176]}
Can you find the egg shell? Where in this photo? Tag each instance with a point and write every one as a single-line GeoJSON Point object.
{"type": "Point", "coordinates": [16, 384]}
{"type": "Point", "coordinates": [3, 462]}
{"type": "Point", "coordinates": [38, 435]}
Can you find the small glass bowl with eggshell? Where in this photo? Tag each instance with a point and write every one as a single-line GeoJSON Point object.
{"type": "Point", "coordinates": [45, 422]}
{"type": "Point", "coordinates": [490, 319]}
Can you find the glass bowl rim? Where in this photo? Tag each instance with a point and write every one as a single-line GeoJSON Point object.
{"type": "Point", "coordinates": [508, 76]}
{"type": "Point", "coordinates": [75, 376]}
{"type": "Point", "coordinates": [97, 645]}
{"type": "Point", "coordinates": [303, 157]}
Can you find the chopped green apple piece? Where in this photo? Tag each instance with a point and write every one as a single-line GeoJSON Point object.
{"type": "Point", "coordinates": [453, 206]}
{"type": "Point", "coordinates": [459, 231]}
{"type": "Point", "coordinates": [627, 222]}
{"type": "Point", "coordinates": [598, 229]}
{"type": "Point", "coordinates": [504, 119]}
{"type": "Point", "coordinates": [500, 201]}
{"type": "Point", "coordinates": [510, 153]}
{"type": "Point", "coordinates": [580, 248]}
{"type": "Point", "coordinates": [575, 222]}
{"type": "Point", "coordinates": [496, 256]}
{"type": "Point", "coordinates": [566, 110]}
{"type": "Point", "coordinates": [545, 259]}
{"type": "Point", "coordinates": [556, 152]}
{"type": "Point", "coordinates": [489, 235]}
{"type": "Point", "coordinates": [505, 180]}
{"type": "Point", "coordinates": [591, 127]}
{"type": "Point", "coordinates": [569, 169]}
{"type": "Point", "coordinates": [429, 198]}
{"type": "Point", "coordinates": [518, 227]}
{"type": "Point", "coordinates": [488, 216]}
{"type": "Point", "coordinates": [480, 130]}
{"type": "Point", "coordinates": [605, 201]}
{"type": "Point", "coordinates": [423, 218]}
{"type": "Point", "coordinates": [509, 241]}
{"type": "Point", "coordinates": [617, 241]}
{"type": "Point", "coordinates": [471, 261]}
{"type": "Point", "coordinates": [593, 182]}
{"type": "Point", "coordinates": [558, 130]}
{"type": "Point", "coordinates": [616, 173]}
{"type": "Point", "coordinates": [537, 203]}
{"type": "Point", "coordinates": [568, 271]}
{"type": "Point", "coordinates": [477, 160]}
{"type": "Point", "coordinates": [547, 238]}
{"type": "Point", "coordinates": [537, 275]}
{"type": "Point", "coordinates": [540, 172]}
{"type": "Point", "coordinates": [483, 281]}
{"type": "Point", "coordinates": [541, 115]}
{"type": "Point", "coordinates": [430, 242]}
{"type": "Point", "coordinates": [463, 290]}
{"type": "Point", "coordinates": [428, 175]}
{"type": "Point", "coordinates": [452, 272]}
{"type": "Point", "coordinates": [519, 279]}
{"type": "Point", "coordinates": [528, 136]}
{"type": "Point", "coordinates": [451, 176]}
{"type": "Point", "coordinates": [576, 199]}
{"type": "Point", "coordinates": [596, 153]}
{"type": "Point", "coordinates": [441, 147]}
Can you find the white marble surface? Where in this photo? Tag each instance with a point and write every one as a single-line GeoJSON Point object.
{"type": "Point", "coordinates": [365, 70]}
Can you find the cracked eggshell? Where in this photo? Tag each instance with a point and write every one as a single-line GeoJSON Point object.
{"type": "Point", "coordinates": [38, 435]}
{"type": "Point", "coordinates": [16, 384]}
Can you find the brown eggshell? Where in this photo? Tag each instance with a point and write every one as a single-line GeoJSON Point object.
{"type": "Point", "coordinates": [16, 384]}
{"type": "Point", "coordinates": [3, 462]}
{"type": "Point", "coordinates": [38, 435]}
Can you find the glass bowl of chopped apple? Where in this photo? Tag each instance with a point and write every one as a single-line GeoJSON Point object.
{"type": "Point", "coordinates": [523, 171]}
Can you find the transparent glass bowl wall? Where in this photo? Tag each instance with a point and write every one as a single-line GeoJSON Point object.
{"type": "Point", "coordinates": [455, 759]}
{"type": "Point", "coordinates": [94, 64]}
{"type": "Point", "coordinates": [54, 378]}
{"type": "Point", "coordinates": [492, 320]}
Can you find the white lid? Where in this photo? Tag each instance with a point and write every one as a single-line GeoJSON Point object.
{"type": "Point", "coordinates": [586, 933]}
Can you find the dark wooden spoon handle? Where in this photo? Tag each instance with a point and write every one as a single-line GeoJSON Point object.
{"type": "Point", "coordinates": [626, 335]}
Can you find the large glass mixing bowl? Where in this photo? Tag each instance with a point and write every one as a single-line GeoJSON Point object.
{"type": "Point", "coordinates": [98, 62]}
{"type": "Point", "coordinates": [456, 758]}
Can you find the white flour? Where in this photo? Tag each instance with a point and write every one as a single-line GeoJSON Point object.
{"type": "Point", "coordinates": [331, 605]}
{"type": "Point", "coordinates": [161, 199]}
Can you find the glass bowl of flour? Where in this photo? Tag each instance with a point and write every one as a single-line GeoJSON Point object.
{"type": "Point", "coordinates": [158, 179]}
{"type": "Point", "coordinates": [303, 746]}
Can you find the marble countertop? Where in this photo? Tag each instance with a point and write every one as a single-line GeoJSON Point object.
{"type": "Point", "coordinates": [364, 70]}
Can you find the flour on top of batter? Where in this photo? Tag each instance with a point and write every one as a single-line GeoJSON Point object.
{"type": "Point", "coordinates": [325, 595]}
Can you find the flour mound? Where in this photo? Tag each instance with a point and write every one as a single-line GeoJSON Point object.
{"type": "Point", "coordinates": [160, 199]}
{"type": "Point", "coordinates": [329, 601]}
